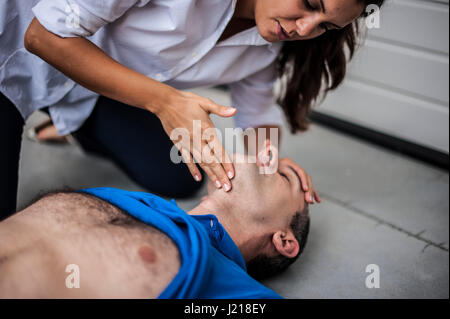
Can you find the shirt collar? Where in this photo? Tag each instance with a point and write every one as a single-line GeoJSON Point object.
{"type": "Point", "coordinates": [247, 37]}
{"type": "Point", "coordinates": [219, 238]}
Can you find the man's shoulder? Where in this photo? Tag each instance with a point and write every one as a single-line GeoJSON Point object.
{"type": "Point", "coordinates": [135, 201]}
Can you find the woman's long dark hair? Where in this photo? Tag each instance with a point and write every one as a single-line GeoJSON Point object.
{"type": "Point", "coordinates": [311, 67]}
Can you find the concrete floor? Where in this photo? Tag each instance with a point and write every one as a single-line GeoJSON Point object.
{"type": "Point", "coordinates": [379, 208]}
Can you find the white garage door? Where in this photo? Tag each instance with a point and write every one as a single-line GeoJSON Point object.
{"type": "Point", "coordinates": [398, 83]}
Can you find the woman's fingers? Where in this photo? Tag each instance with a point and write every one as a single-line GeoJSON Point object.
{"type": "Point", "coordinates": [310, 194]}
{"type": "Point", "coordinates": [314, 195]}
{"type": "Point", "coordinates": [214, 153]}
{"type": "Point", "coordinates": [216, 158]}
{"type": "Point", "coordinates": [301, 173]}
{"type": "Point", "coordinates": [211, 166]}
{"type": "Point", "coordinates": [219, 152]}
{"type": "Point", "coordinates": [221, 177]}
{"type": "Point", "coordinates": [213, 162]}
{"type": "Point", "coordinates": [224, 111]}
{"type": "Point", "coordinates": [317, 197]}
{"type": "Point", "coordinates": [189, 161]}
{"type": "Point", "coordinates": [211, 175]}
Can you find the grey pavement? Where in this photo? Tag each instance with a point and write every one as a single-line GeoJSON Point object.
{"type": "Point", "coordinates": [379, 208]}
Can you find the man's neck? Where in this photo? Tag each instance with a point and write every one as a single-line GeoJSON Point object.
{"type": "Point", "coordinates": [236, 225]}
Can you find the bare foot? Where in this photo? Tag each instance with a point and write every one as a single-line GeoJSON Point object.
{"type": "Point", "coordinates": [47, 133]}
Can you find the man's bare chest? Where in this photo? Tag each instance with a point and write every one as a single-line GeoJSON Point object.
{"type": "Point", "coordinates": [116, 256]}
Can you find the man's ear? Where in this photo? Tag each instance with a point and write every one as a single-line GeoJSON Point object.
{"type": "Point", "coordinates": [286, 243]}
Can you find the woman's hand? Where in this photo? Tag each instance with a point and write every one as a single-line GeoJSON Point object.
{"type": "Point", "coordinates": [311, 195]}
{"type": "Point", "coordinates": [179, 111]}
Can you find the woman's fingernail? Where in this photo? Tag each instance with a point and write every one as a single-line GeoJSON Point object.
{"type": "Point", "coordinates": [230, 110]}
{"type": "Point", "coordinates": [197, 177]}
{"type": "Point", "coordinates": [218, 185]}
{"type": "Point", "coordinates": [310, 198]}
{"type": "Point", "coordinates": [230, 175]}
{"type": "Point", "coordinates": [226, 187]}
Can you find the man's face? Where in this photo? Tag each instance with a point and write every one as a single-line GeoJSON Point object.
{"type": "Point", "coordinates": [277, 196]}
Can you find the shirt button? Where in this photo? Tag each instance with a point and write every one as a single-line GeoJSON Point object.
{"type": "Point", "coordinates": [212, 223]}
{"type": "Point", "coordinates": [159, 76]}
{"type": "Point", "coordinates": [68, 84]}
{"type": "Point", "coordinates": [194, 55]}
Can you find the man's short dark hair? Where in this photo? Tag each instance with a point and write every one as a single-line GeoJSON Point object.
{"type": "Point", "coordinates": [263, 267]}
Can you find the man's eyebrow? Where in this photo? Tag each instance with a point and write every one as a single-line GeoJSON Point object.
{"type": "Point", "coordinates": [325, 11]}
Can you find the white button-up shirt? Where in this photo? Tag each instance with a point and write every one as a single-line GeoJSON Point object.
{"type": "Point", "coordinates": [171, 41]}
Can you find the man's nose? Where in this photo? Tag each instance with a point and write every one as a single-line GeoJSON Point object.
{"type": "Point", "coordinates": [282, 166]}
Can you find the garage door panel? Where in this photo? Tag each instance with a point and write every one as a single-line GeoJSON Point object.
{"type": "Point", "coordinates": [413, 72]}
{"type": "Point", "coordinates": [398, 82]}
{"type": "Point", "coordinates": [404, 117]}
{"type": "Point", "coordinates": [415, 23]}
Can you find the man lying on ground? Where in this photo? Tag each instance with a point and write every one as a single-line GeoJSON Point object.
{"type": "Point", "coordinates": [138, 245]}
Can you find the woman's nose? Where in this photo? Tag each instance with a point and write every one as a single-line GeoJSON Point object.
{"type": "Point", "coordinates": [306, 26]}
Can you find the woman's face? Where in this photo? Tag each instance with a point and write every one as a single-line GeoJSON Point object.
{"type": "Point", "coordinates": [291, 20]}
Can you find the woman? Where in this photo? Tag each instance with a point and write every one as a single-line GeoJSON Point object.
{"type": "Point", "coordinates": [138, 54]}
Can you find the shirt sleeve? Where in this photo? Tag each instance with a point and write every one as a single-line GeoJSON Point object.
{"type": "Point", "coordinates": [255, 100]}
{"type": "Point", "coordinates": [81, 18]}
